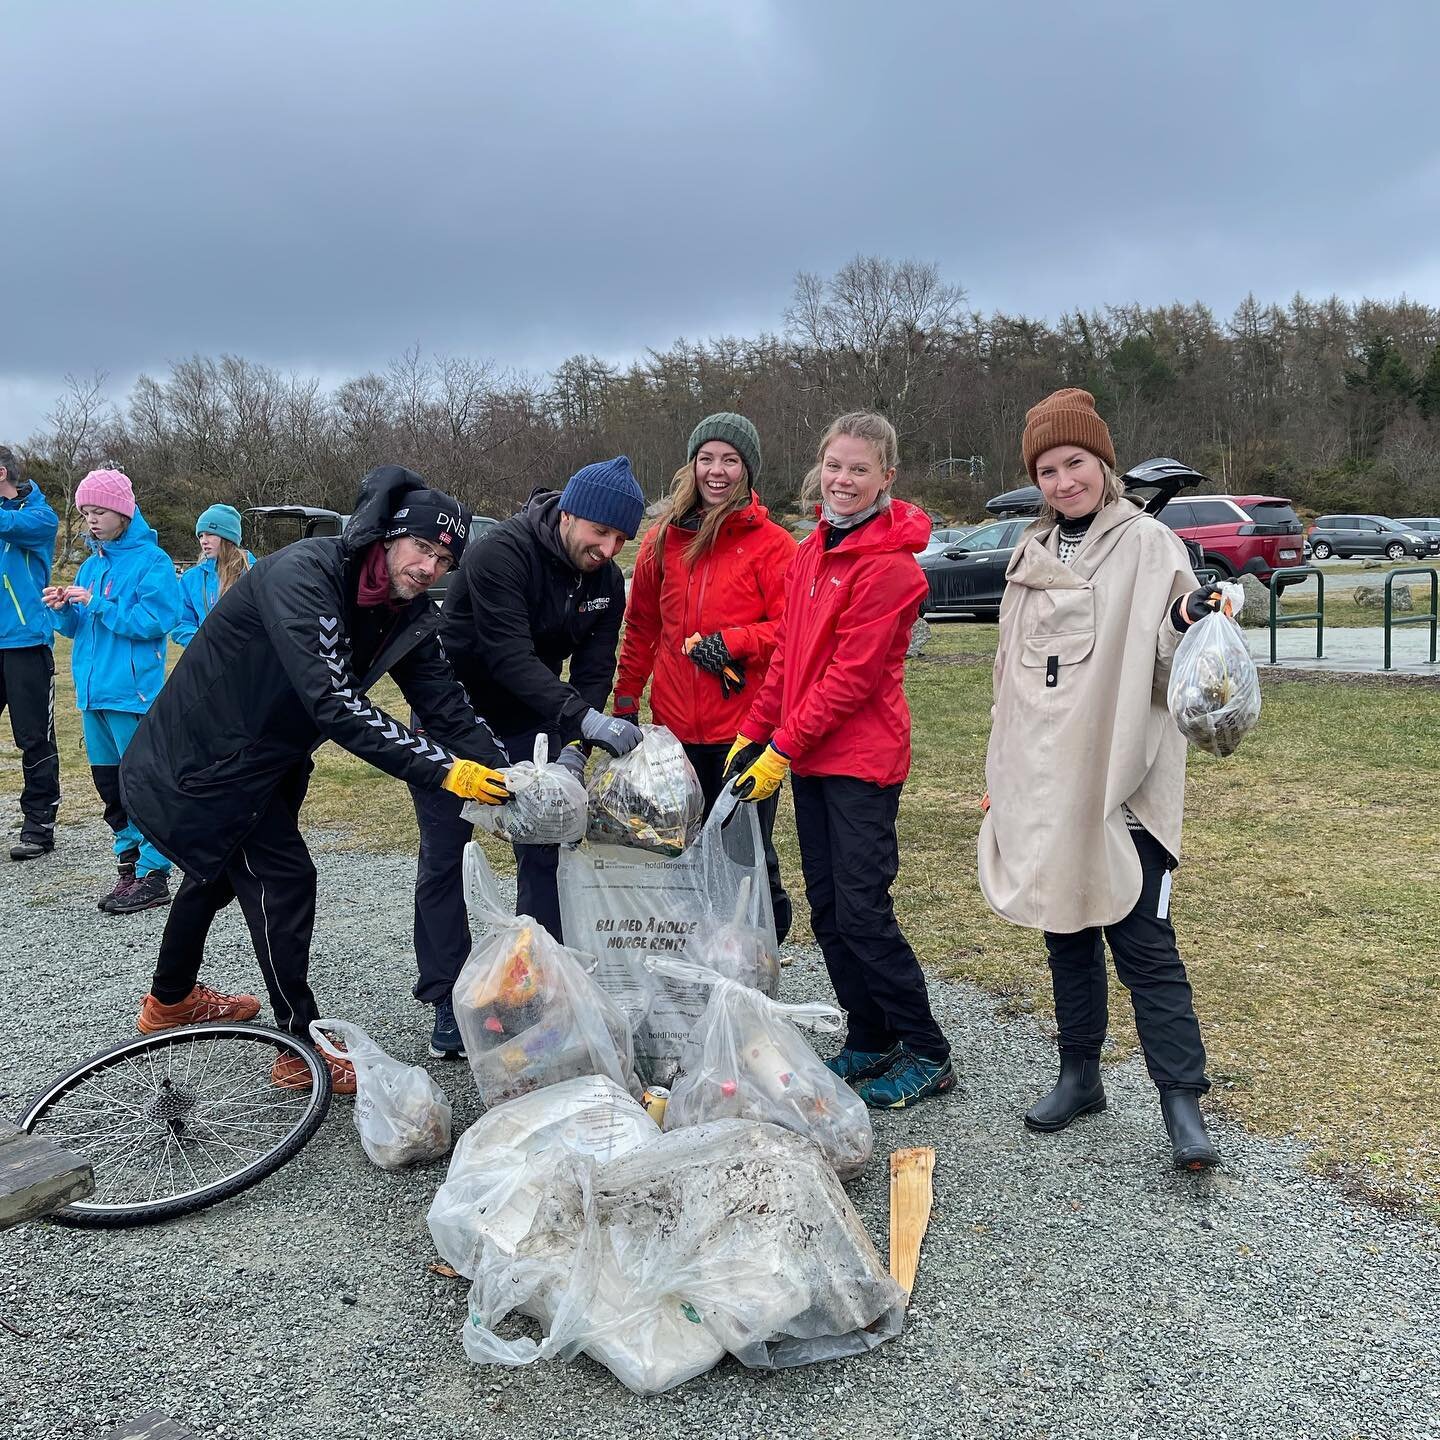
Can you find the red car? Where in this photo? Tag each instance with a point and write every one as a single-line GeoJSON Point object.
{"type": "Point", "coordinates": [1234, 530]}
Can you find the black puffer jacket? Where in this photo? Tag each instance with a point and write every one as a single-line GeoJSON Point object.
{"type": "Point", "coordinates": [282, 663]}
{"type": "Point", "coordinates": [518, 610]}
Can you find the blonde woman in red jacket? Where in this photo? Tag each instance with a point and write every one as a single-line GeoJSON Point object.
{"type": "Point", "coordinates": [705, 602]}
{"type": "Point", "coordinates": [833, 711]}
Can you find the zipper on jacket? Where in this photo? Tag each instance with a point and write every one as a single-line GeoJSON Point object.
{"type": "Point", "coordinates": [1052, 671]}
{"type": "Point", "coordinates": [14, 599]}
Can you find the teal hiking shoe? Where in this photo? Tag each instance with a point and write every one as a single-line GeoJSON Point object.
{"type": "Point", "coordinates": [852, 1066]}
{"type": "Point", "coordinates": [912, 1078]}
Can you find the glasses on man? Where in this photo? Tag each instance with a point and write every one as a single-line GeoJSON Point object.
{"type": "Point", "coordinates": [445, 562]}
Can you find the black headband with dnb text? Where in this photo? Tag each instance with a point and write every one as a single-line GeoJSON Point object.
{"type": "Point", "coordinates": [431, 515]}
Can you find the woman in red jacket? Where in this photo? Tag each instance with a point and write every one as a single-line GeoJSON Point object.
{"type": "Point", "coordinates": [705, 601]}
{"type": "Point", "coordinates": [833, 711]}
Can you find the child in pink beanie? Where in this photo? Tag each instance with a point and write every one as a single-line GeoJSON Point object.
{"type": "Point", "coordinates": [124, 601]}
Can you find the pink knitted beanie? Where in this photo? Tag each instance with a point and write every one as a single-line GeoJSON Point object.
{"type": "Point", "coordinates": [109, 488]}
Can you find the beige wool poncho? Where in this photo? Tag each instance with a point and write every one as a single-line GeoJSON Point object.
{"type": "Point", "coordinates": [1080, 727]}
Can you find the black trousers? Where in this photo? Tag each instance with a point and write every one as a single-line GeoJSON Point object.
{"type": "Point", "coordinates": [1148, 964]}
{"type": "Point", "coordinates": [709, 763]}
{"type": "Point", "coordinates": [442, 928]}
{"type": "Point", "coordinates": [851, 856]}
{"type": "Point", "coordinates": [27, 688]}
{"type": "Point", "coordinates": [273, 878]}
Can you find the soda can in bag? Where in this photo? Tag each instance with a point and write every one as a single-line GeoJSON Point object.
{"type": "Point", "coordinates": [655, 1099]}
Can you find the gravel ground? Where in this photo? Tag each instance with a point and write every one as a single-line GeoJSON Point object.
{"type": "Point", "coordinates": [1070, 1285]}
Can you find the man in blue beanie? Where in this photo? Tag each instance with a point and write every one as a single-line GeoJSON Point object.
{"type": "Point", "coordinates": [537, 591]}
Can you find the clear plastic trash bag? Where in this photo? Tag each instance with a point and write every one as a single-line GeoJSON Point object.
{"type": "Point", "coordinates": [1214, 693]}
{"type": "Point", "coordinates": [530, 1014]}
{"type": "Point", "coordinates": [740, 951]}
{"type": "Point", "coordinates": [746, 1059]}
{"type": "Point", "coordinates": [507, 1160]}
{"type": "Point", "coordinates": [620, 905]}
{"type": "Point", "coordinates": [730, 1237]}
{"type": "Point", "coordinates": [648, 799]}
{"type": "Point", "coordinates": [547, 804]}
{"type": "Point", "coordinates": [402, 1115]}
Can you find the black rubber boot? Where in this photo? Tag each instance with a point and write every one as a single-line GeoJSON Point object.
{"type": "Point", "coordinates": [1077, 1092]}
{"type": "Point", "coordinates": [1189, 1139]}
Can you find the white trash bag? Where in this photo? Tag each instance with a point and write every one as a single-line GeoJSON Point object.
{"type": "Point", "coordinates": [747, 1060]}
{"type": "Point", "coordinates": [730, 1237]}
{"type": "Point", "coordinates": [506, 1161]}
{"type": "Point", "coordinates": [401, 1113]}
{"type": "Point", "coordinates": [1214, 693]}
{"type": "Point", "coordinates": [649, 798]}
{"type": "Point", "coordinates": [529, 1013]}
{"type": "Point", "coordinates": [621, 905]}
{"type": "Point", "coordinates": [547, 804]}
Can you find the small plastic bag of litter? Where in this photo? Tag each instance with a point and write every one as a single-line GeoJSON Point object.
{"type": "Point", "coordinates": [547, 804]}
{"type": "Point", "coordinates": [747, 1060]}
{"type": "Point", "coordinates": [649, 799]}
{"type": "Point", "coordinates": [529, 1011]}
{"type": "Point", "coordinates": [402, 1115]}
{"type": "Point", "coordinates": [1214, 693]}
{"type": "Point", "coordinates": [506, 1161]}
{"type": "Point", "coordinates": [739, 951]}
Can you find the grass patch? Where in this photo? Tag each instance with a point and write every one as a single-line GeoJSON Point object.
{"type": "Point", "coordinates": [1307, 907]}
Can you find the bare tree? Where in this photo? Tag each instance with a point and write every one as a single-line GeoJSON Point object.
{"type": "Point", "coordinates": [81, 423]}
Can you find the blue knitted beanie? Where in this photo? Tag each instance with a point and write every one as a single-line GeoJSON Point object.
{"type": "Point", "coordinates": [221, 520]}
{"type": "Point", "coordinates": [606, 493]}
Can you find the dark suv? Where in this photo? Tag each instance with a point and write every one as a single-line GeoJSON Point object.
{"type": "Point", "coordinates": [1347, 535]}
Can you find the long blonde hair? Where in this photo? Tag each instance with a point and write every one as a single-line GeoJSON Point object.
{"type": "Point", "coordinates": [231, 562]}
{"type": "Point", "coordinates": [1112, 490]}
{"type": "Point", "coordinates": [865, 425]}
{"type": "Point", "coordinates": [684, 497]}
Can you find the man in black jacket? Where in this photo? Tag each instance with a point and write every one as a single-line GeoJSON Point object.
{"type": "Point", "coordinates": [535, 591]}
{"type": "Point", "coordinates": [219, 766]}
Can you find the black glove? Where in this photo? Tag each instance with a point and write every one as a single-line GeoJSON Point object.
{"type": "Point", "coordinates": [713, 654]}
{"type": "Point", "coordinates": [1194, 606]}
{"type": "Point", "coordinates": [743, 754]}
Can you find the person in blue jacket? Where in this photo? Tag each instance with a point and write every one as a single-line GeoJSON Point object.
{"type": "Point", "coordinates": [124, 602]}
{"type": "Point", "coordinates": [27, 658]}
{"type": "Point", "coordinates": [222, 563]}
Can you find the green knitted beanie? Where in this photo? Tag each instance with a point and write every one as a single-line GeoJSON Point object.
{"type": "Point", "coordinates": [734, 430]}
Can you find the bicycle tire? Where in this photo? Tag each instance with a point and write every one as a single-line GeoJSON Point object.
{"type": "Point", "coordinates": [93, 1213]}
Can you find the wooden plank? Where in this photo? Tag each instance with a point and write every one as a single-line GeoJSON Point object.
{"type": "Point", "coordinates": [152, 1425]}
{"type": "Point", "coordinates": [911, 1196]}
{"type": "Point", "coordinates": [37, 1176]}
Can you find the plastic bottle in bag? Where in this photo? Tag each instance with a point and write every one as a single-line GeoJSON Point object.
{"type": "Point", "coordinates": [1214, 693]}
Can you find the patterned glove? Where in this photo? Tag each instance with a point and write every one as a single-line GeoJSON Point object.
{"type": "Point", "coordinates": [714, 655]}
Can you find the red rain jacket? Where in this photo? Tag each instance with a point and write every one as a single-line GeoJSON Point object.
{"type": "Point", "coordinates": [834, 700]}
{"type": "Point", "coordinates": [737, 589]}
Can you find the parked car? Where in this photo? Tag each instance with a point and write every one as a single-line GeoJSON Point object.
{"type": "Point", "coordinates": [1426, 524]}
{"type": "Point", "coordinates": [1234, 532]}
{"type": "Point", "coordinates": [314, 520]}
{"type": "Point", "coordinates": [943, 539]}
{"type": "Point", "coordinates": [968, 577]}
{"type": "Point", "coordinates": [1347, 535]}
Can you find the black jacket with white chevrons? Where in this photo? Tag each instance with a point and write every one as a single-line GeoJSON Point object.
{"type": "Point", "coordinates": [282, 663]}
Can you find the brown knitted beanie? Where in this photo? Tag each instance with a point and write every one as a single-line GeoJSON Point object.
{"type": "Point", "coordinates": [1065, 418]}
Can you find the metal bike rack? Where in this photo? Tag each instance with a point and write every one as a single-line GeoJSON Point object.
{"type": "Point", "coordinates": [1431, 619]}
{"type": "Point", "coordinates": [1318, 616]}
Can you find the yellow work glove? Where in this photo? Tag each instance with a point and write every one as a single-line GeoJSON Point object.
{"type": "Point", "coordinates": [763, 777]}
{"type": "Point", "coordinates": [743, 753]}
{"type": "Point", "coordinates": [471, 780]}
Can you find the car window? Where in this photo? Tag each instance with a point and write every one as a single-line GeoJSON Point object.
{"type": "Point", "coordinates": [987, 537]}
{"type": "Point", "coordinates": [1213, 512]}
{"type": "Point", "coordinates": [1271, 512]}
{"type": "Point", "coordinates": [1340, 522]}
{"type": "Point", "coordinates": [1177, 515]}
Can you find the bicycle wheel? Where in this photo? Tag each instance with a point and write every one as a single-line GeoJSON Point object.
{"type": "Point", "coordinates": [176, 1121]}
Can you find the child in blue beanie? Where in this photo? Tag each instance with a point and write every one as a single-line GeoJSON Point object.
{"type": "Point", "coordinates": [222, 562]}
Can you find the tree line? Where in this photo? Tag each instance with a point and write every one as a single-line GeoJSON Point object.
{"type": "Point", "coordinates": [1336, 405]}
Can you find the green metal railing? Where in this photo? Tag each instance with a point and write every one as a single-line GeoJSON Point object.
{"type": "Point", "coordinates": [1431, 619]}
{"type": "Point", "coordinates": [1317, 615]}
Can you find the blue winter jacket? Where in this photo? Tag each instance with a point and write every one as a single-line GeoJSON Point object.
{"type": "Point", "coordinates": [27, 545]}
{"type": "Point", "coordinates": [199, 590]}
{"type": "Point", "coordinates": [119, 655]}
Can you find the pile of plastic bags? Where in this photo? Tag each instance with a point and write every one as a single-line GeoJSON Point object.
{"type": "Point", "coordinates": [529, 1013]}
{"type": "Point", "coordinates": [1214, 693]}
{"type": "Point", "coordinates": [649, 799]}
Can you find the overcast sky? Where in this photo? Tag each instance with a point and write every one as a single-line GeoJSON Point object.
{"type": "Point", "coordinates": [318, 184]}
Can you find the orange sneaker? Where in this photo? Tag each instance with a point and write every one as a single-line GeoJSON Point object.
{"type": "Point", "coordinates": [291, 1073]}
{"type": "Point", "coordinates": [202, 1003]}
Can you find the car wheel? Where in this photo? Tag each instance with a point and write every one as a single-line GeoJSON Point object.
{"type": "Point", "coordinates": [1222, 568]}
{"type": "Point", "coordinates": [1395, 551]}
{"type": "Point", "coordinates": [1320, 550]}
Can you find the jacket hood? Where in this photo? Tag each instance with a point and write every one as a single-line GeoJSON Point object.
{"type": "Point", "coordinates": [379, 498]}
{"type": "Point", "coordinates": [1035, 562]}
{"type": "Point", "coordinates": [137, 534]}
{"type": "Point", "coordinates": [900, 526]}
{"type": "Point", "coordinates": [24, 490]}
{"type": "Point", "coordinates": [542, 516]}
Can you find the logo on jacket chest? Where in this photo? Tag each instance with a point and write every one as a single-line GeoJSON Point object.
{"type": "Point", "coordinates": [596, 602]}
